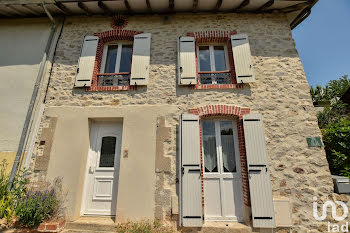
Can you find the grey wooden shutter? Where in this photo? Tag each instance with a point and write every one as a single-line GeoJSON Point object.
{"type": "Point", "coordinates": [141, 59]}
{"type": "Point", "coordinates": [258, 171]}
{"type": "Point", "coordinates": [86, 62]}
{"type": "Point", "coordinates": [187, 72]}
{"type": "Point", "coordinates": [190, 203]}
{"type": "Point", "coordinates": [242, 58]}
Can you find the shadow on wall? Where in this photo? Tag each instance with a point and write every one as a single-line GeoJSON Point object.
{"type": "Point", "coordinates": [270, 36]}
{"type": "Point", "coordinates": [23, 41]}
{"type": "Point", "coordinates": [22, 46]}
{"type": "Point", "coordinates": [130, 93]}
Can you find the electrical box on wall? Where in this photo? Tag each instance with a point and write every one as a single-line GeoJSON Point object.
{"type": "Point", "coordinates": [283, 212]}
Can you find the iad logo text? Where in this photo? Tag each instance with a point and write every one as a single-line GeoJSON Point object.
{"type": "Point", "coordinates": [332, 227]}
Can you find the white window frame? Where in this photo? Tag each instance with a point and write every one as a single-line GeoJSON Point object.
{"type": "Point", "coordinates": [219, 157]}
{"type": "Point", "coordinates": [212, 57]}
{"type": "Point", "coordinates": [117, 61]}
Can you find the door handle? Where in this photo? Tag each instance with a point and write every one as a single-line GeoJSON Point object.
{"type": "Point", "coordinates": [91, 169]}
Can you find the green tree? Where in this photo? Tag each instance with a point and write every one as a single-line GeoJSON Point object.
{"type": "Point", "coordinates": [332, 114]}
{"type": "Point", "coordinates": [336, 138]}
{"type": "Point", "coordinates": [334, 122]}
{"type": "Point", "coordinates": [333, 90]}
{"type": "Point", "coordinates": [338, 87]}
{"type": "Point", "coordinates": [319, 94]}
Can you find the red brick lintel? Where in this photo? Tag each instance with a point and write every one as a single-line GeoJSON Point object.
{"type": "Point", "coordinates": [220, 110]}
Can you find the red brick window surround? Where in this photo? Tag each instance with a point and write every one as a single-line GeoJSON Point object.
{"type": "Point", "coordinates": [224, 38]}
{"type": "Point", "coordinates": [106, 37]}
{"type": "Point", "coordinates": [229, 112]}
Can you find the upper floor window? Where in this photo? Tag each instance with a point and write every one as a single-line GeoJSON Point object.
{"type": "Point", "coordinates": [116, 60]}
{"type": "Point", "coordinates": [213, 64]}
{"type": "Point", "coordinates": [214, 59]}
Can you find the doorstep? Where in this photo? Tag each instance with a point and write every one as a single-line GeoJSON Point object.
{"type": "Point", "coordinates": [91, 224]}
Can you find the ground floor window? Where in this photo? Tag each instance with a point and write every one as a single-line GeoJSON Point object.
{"type": "Point", "coordinates": [222, 178]}
{"type": "Point", "coordinates": [218, 145]}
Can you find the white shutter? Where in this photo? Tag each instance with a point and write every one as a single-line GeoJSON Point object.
{"type": "Point", "coordinates": [190, 203]}
{"type": "Point", "coordinates": [187, 61]}
{"type": "Point", "coordinates": [141, 59]}
{"type": "Point", "coordinates": [242, 58]}
{"type": "Point", "coordinates": [86, 62]}
{"type": "Point", "coordinates": [258, 172]}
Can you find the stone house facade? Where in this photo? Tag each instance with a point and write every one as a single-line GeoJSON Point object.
{"type": "Point", "coordinates": [189, 118]}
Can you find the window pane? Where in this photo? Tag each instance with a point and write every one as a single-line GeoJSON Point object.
{"type": "Point", "coordinates": [227, 143]}
{"type": "Point", "coordinates": [107, 152]}
{"type": "Point", "coordinates": [204, 58]}
{"type": "Point", "coordinates": [125, 60]}
{"type": "Point", "coordinates": [111, 58]}
{"type": "Point", "coordinates": [209, 145]}
{"type": "Point", "coordinates": [220, 63]}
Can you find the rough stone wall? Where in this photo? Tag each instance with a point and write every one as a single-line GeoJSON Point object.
{"type": "Point", "coordinates": [280, 93]}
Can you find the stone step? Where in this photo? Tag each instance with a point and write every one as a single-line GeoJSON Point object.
{"type": "Point", "coordinates": [107, 225]}
{"type": "Point", "coordinates": [225, 227]}
{"type": "Point", "coordinates": [81, 231]}
{"type": "Point", "coordinates": [91, 224]}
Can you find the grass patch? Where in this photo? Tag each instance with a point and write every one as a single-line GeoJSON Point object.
{"type": "Point", "coordinates": [144, 227]}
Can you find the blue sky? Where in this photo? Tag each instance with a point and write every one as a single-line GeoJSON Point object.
{"type": "Point", "coordinates": [323, 41]}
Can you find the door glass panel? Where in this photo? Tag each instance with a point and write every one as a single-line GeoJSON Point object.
{"type": "Point", "coordinates": [227, 143]}
{"type": "Point", "coordinates": [204, 58]}
{"type": "Point", "coordinates": [125, 60]}
{"type": "Point", "coordinates": [219, 54]}
{"type": "Point", "coordinates": [209, 146]}
{"type": "Point", "coordinates": [111, 59]}
{"type": "Point", "coordinates": [107, 151]}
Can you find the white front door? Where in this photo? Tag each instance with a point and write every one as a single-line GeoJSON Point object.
{"type": "Point", "coordinates": [101, 181]}
{"type": "Point", "coordinates": [222, 174]}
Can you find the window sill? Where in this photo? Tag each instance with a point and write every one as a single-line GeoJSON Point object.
{"type": "Point", "coordinates": [112, 88]}
{"type": "Point", "coordinates": [216, 86]}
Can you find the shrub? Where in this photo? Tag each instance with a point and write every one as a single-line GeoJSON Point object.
{"type": "Point", "coordinates": [9, 196]}
{"type": "Point", "coordinates": [331, 114]}
{"type": "Point", "coordinates": [336, 137]}
{"type": "Point", "coordinates": [39, 205]}
{"type": "Point", "coordinates": [3, 178]}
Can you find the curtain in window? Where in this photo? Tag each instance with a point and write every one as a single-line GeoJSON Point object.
{"type": "Point", "coordinates": [210, 155]}
{"type": "Point", "coordinates": [227, 145]}
{"type": "Point", "coordinates": [228, 153]}
{"type": "Point", "coordinates": [209, 145]}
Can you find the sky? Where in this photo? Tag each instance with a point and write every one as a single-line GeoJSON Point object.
{"type": "Point", "coordinates": [323, 41]}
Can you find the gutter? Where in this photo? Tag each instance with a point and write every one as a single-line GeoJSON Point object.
{"type": "Point", "coordinates": [20, 150]}
{"type": "Point", "coordinates": [17, 3]}
{"type": "Point", "coordinates": [303, 15]}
